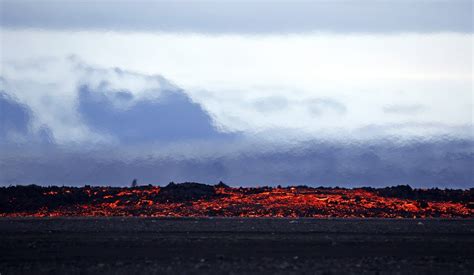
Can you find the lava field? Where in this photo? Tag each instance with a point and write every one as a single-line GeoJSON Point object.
{"type": "Point", "coordinates": [201, 200]}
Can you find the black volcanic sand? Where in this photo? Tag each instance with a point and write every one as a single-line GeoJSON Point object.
{"type": "Point", "coordinates": [235, 246]}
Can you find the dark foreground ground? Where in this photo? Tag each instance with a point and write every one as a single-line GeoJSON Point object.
{"type": "Point", "coordinates": [234, 246]}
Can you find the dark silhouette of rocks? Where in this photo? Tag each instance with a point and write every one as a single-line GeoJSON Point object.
{"type": "Point", "coordinates": [222, 185]}
{"type": "Point", "coordinates": [433, 194]}
{"type": "Point", "coordinates": [187, 191]}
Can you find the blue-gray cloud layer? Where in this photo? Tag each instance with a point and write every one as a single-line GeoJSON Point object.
{"type": "Point", "coordinates": [14, 118]}
{"type": "Point", "coordinates": [173, 118]}
{"type": "Point", "coordinates": [242, 17]}
{"type": "Point", "coordinates": [15, 122]}
{"type": "Point", "coordinates": [435, 163]}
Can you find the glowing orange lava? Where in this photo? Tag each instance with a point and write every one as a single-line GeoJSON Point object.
{"type": "Point", "coordinates": [230, 202]}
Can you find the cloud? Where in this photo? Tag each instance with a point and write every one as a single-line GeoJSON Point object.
{"type": "Point", "coordinates": [251, 17]}
{"type": "Point", "coordinates": [14, 118]}
{"type": "Point", "coordinates": [309, 109]}
{"type": "Point", "coordinates": [85, 105]}
{"type": "Point", "coordinates": [15, 123]}
{"type": "Point", "coordinates": [172, 117]}
{"type": "Point", "coordinates": [404, 109]}
{"type": "Point", "coordinates": [316, 106]}
{"type": "Point", "coordinates": [323, 106]}
{"type": "Point", "coordinates": [365, 73]}
{"type": "Point", "coordinates": [271, 104]}
{"type": "Point", "coordinates": [420, 163]}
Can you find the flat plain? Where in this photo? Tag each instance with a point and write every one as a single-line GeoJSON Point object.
{"type": "Point", "coordinates": [134, 245]}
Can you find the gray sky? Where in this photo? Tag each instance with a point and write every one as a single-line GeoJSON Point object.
{"type": "Point", "coordinates": [242, 16]}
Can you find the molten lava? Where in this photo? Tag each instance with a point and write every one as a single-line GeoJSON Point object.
{"type": "Point", "coordinates": [197, 200]}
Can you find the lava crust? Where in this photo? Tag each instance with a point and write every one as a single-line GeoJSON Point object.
{"type": "Point", "coordinates": [201, 200]}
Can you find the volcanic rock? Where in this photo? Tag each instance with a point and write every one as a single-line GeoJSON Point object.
{"type": "Point", "coordinates": [188, 191]}
{"type": "Point", "coordinates": [221, 185]}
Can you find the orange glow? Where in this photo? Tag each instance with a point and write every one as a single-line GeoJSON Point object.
{"type": "Point", "coordinates": [248, 202]}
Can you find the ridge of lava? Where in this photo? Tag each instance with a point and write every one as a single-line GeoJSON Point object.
{"type": "Point", "coordinates": [201, 200]}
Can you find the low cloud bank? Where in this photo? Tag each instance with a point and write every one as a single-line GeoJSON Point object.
{"type": "Point", "coordinates": [427, 163]}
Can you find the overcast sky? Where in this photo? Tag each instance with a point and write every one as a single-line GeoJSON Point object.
{"type": "Point", "coordinates": [344, 93]}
